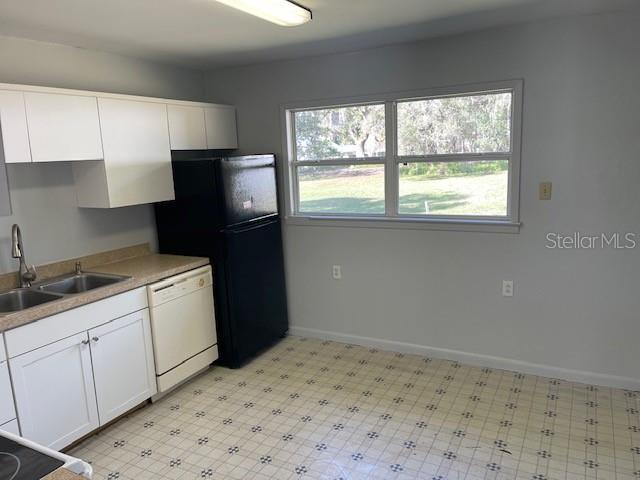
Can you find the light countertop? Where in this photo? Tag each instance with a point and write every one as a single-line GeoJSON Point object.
{"type": "Point", "coordinates": [143, 270]}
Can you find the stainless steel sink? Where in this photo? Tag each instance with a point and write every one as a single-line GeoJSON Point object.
{"type": "Point", "coordinates": [80, 282]}
{"type": "Point", "coordinates": [23, 298]}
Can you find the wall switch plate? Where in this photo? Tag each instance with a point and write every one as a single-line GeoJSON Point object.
{"type": "Point", "coordinates": [336, 272]}
{"type": "Point", "coordinates": [545, 190]}
{"type": "Point", "coordinates": [507, 288]}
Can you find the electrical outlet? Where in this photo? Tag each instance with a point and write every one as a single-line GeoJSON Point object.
{"type": "Point", "coordinates": [336, 272]}
{"type": "Point", "coordinates": [545, 191]}
{"type": "Point", "coordinates": [507, 288]}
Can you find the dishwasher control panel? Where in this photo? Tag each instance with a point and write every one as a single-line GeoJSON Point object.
{"type": "Point", "coordinates": [179, 285]}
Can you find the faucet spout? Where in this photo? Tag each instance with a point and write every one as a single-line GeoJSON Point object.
{"type": "Point", "coordinates": [16, 242]}
{"type": "Point", "coordinates": [25, 275]}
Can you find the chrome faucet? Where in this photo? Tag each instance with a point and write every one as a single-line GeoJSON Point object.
{"type": "Point", "coordinates": [26, 275]}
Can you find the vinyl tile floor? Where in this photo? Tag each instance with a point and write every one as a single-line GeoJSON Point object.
{"type": "Point", "coordinates": [312, 409]}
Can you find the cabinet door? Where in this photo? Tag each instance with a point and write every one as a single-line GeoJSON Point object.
{"type": "Point", "coordinates": [220, 123]}
{"type": "Point", "coordinates": [13, 121]}
{"type": "Point", "coordinates": [63, 127]}
{"type": "Point", "coordinates": [123, 366]}
{"type": "Point", "coordinates": [54, 391]}
{"type": "Point", "coordinates": [7, 411]}
{"type": "Point", "coordinates": [186, 127]}
{"type": "Point", "coordinates": [137, 153]}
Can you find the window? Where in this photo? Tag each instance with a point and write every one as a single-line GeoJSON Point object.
{"type": "Point", "coordinates": [339, 160]}
{"type": "Point", "coordinates": [455, 153]}
{"type": "Point", "coordinates": [449, 156]}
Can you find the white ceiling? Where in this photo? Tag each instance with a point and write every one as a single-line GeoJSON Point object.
{"type": "Point", "coordinates": [205, 34]}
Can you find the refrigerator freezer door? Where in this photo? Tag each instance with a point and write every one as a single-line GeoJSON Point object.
{"type": "Point", "coordinates": [249, 185]}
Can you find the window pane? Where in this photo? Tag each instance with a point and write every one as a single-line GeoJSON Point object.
{"type": "Point", "coordinates": [357, 189]}
{"type": "Point", "coordinates": [346, 132]}
{"type": "Point", "coordinates": [454, 188]}
{"type": "Point", "coordinates": [470, 124]}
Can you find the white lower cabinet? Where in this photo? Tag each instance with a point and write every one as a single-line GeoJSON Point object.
{"type": "Point", "coordinates": [123, 367]}
{"type": "Point", "coordinates": [77, 370]}
{"type": "Point", "coordinates": [55, 393]}
{"type": "Point", "coordinates": [7, 412]}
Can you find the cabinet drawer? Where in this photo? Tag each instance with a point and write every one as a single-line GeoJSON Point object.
{"type": "Point", "coordinates": [7, 409]}
{"type": "Point", "coordinates": [81, 319]}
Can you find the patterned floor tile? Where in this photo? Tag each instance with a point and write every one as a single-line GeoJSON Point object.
{"type": "Point", "coordinates": [326, 410]}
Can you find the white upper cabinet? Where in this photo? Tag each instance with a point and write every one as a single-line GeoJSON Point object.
{"type": "Point", "coordinates": [120, 145]}
{"type": "Point", "coordinates": [13, 121]}
{"type": "Point", "coordinates": [220, 123]}
{"type": "Point", "coordinates": [137, 157]}
{"type": "Point", "coordinates": [186, 127]}
{"type": "Point", "coordinates": [198, 128]}
{"type": "Point", "coordinates": [63, 127]}
{"type": "Point", "coordinates": [137, 153]}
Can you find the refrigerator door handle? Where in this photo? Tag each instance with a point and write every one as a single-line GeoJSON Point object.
{"type": "Point", "coordinates": [248, 228]}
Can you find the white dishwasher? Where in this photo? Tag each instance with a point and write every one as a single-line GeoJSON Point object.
{"type": "Point", "coordinates": [183, 326]}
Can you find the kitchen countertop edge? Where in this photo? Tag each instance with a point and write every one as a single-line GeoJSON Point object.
{"type": "Point", "coordinates": [143, 271]}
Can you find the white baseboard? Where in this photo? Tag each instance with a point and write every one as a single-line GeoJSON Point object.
{"type": "Point", "coordinates": [473, 359]}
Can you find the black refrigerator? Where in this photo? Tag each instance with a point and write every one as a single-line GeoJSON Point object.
{"type": "Point", "coordinates": [226, 209]}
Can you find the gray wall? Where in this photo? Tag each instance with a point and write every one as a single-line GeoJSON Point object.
{"type": "Point", "coordinates": [43, 196]}
{"type": "Point", "coordinates": [573, 310]}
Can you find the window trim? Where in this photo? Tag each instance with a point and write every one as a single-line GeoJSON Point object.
{"type": "Point", "coordinates": [392, 161]}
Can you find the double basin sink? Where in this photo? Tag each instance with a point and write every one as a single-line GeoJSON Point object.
{"type": "Point", "coordinates": [22, 298]}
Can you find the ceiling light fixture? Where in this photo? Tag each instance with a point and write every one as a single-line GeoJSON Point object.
{"type": "Point", "coordinates": [281, 12]}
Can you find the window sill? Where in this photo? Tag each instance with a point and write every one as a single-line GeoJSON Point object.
{"type": "Point", "coordinates": [489, 226]}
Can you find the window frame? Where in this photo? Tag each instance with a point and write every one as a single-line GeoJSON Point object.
{"type": "Point", "coordinates": [392, 161]}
